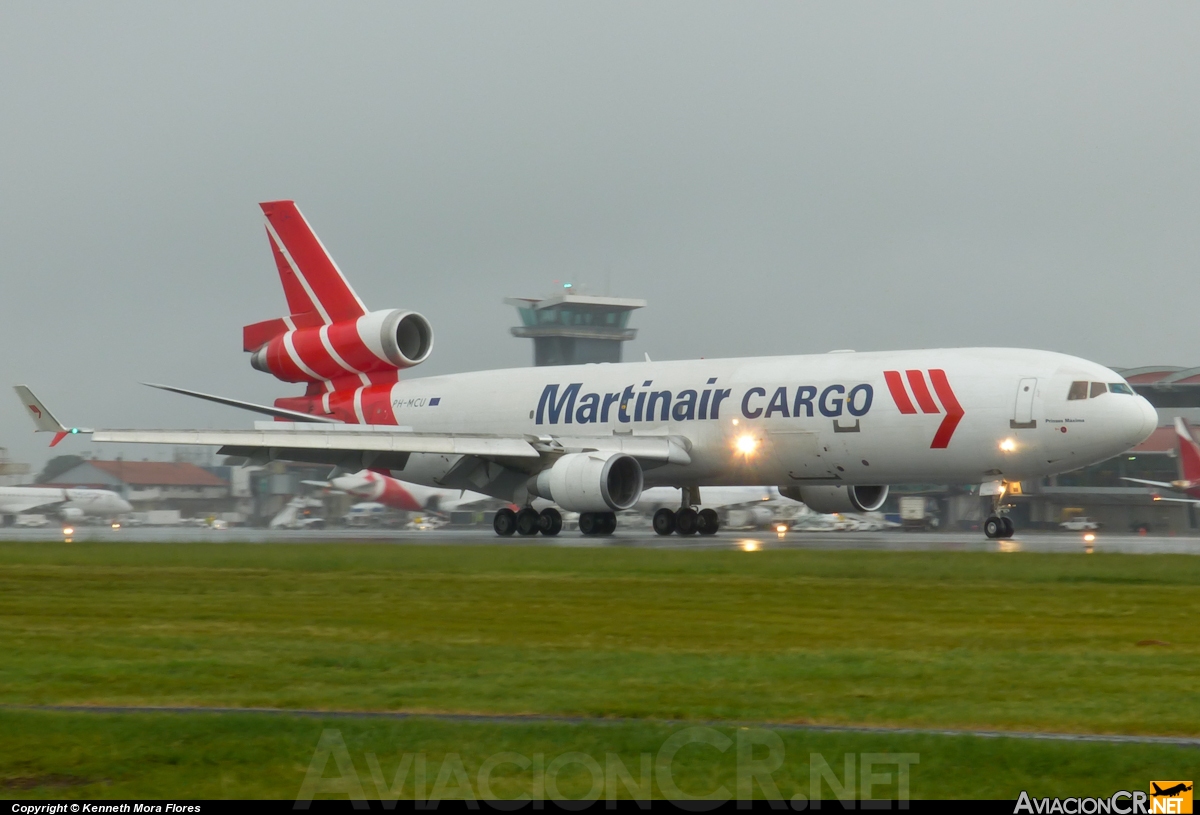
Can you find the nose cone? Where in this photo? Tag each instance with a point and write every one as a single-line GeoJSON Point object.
{"type": "Point", "coordinates": [124, 506]}
{"type": "Point", "coordinates": [1143, 422]}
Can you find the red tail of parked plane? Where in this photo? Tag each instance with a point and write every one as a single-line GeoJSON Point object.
{"type": "Point", "coordinates": [1189, 466]}
{"type": "Point", "coordinates": [348, 356]}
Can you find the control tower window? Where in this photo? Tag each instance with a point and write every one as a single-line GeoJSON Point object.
{"type": "Point", "coordinates": [1098, 388]}
{"type": "Point", "coordinates": [1119, 387]}
{"type": "Point", "coordinates": [1078, 390]}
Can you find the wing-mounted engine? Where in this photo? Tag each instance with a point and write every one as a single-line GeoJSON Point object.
{"type": "Point", "coordinates": [376, 342]}
{"type": "Point", "coordinates": [838, 499]}
{"type": "Point", "coordinates": [602, 481]}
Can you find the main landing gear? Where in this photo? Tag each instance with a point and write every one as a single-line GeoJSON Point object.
{"type": "Point", "coordinates": [999, 526]}
{"type": "Point", "coordinates": [528, 522]}
{"type": "Point", "coordinates": [686, 521]}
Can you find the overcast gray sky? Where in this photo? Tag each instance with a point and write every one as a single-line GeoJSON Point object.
{"type": "Point", "coordinates": [773, 178]}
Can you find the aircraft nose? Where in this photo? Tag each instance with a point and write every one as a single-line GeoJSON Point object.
{"type": "Point", "coordinates": [125, 506]}
{"type": "Point", "coordinates": [1144, 420]}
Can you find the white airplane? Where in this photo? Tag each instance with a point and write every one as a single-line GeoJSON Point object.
{"type": "Point", "coordinates": [68, 504]}
{"type": "Point", "coordinates": [396, 494]}
{"type": "Point", "coordinates": [832, 430]}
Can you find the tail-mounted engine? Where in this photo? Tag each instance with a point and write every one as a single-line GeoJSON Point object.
{"type": "Point", "coordinates": [375, 342]}
{"type": "Point", "coordinates": [838, 499]}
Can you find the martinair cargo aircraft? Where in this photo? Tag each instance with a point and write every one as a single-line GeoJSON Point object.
{"type": "Point", "coordinates": [832, 430]}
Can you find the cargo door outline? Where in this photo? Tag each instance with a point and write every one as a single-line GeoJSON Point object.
{"type": "Point", "coordinates": [1023, 407]}
{"type": "Point", "coordinates": [802, 455]}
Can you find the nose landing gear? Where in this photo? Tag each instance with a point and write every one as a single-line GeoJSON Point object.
{"type": "Point", "coordinates": [999, 526]}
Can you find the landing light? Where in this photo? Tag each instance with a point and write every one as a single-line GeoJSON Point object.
{"type": "Point", "coordinates": [781, 528]}
{"type": "Point", "coordinates": [116, 525]}
{"type": "Point", "coordinates": [68, 530]}
{"type": "Point", "coordinates": [749, 545]}
{"type": "Point", "coordinates": [1089, 537]}
{"type": "Point", "coordinates": [746, 445]}
{"type": "Point", "coordinates": [1008, 445]}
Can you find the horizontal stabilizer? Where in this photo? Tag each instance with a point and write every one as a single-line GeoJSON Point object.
{"type": "Point", "coordinates": [278, 413]}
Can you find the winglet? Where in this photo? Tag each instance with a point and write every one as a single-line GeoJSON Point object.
{"type": "Point", "coordinates": [43, 419]}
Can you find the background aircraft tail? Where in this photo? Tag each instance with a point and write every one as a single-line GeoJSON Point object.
{"type": "Point", "coordinates": [1189, 452]}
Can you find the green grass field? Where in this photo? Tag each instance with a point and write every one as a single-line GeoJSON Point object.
{"type": "Point", "coordinates": [931, 640]}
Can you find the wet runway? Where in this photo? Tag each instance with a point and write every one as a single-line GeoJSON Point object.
{"type": "Point", "coordinates": [747, 541]}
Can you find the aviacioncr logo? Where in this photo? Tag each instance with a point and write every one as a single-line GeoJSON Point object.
{"type": "Point", "coordinates": [920, 392]}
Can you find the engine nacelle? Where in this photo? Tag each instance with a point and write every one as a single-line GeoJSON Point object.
{"type": "Point", "coordinates": [838, 499]}
{"type": "Point", "coordinates": [591, 482]}
{"type": "Point", "coordinates": [378, 341]}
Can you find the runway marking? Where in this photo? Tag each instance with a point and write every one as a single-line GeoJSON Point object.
{"type": "Point", "coordinates": [502, 718]}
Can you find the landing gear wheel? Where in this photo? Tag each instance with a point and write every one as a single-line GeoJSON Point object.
{"type": "Point", "coordinates": [1009, 529]}
{"type": "Point", "coordinates": [589, 523]}
{"type": "Point", "coordinates": [687, 521]}
{"type": "Point", "coordinates": [608, 523]}
{"type": "Point", "coordinates": [550, 522]}
{"type": "Point", "coordinates": [664, 521]}
{"type": "Point", "coordinates": [505, 522]}
{"type": "Point", "coordinates": [527, 522]}
{"type": "Point", "coordinates": [993, 527]}
{"type": "Point", "coordinates": [708, 522]}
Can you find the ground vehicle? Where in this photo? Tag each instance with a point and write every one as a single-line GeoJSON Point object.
{"type": "Point", "coordinates": [915, 514]}
{"type": "Point", "coordinates": [1080, 523]}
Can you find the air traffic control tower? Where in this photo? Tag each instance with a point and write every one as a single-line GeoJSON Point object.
{"type": "Point", "coordinates": [570, 328]}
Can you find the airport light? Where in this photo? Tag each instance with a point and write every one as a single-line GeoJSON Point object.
{"type": "Point", "coordinates": [749, 545]}
{"type": "Point", "coordinates": [1089, 537]}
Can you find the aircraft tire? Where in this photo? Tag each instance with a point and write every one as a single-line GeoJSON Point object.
{"type": "Point", "coordinates": [588, 524]}
{"type": "Point", "coordinates": [687, 521]}
{"type": "Point", "coordinates": [527, 522]}
{"type": "Point", "coordinates": [709, 523]}
{"type": "Point", "coordinates": [664, 521]}
{"type": "Point", "coordinates": [550, 522]}
{"type": "Point", "coordinates": [1009, 529]}
{"type": "Point", "coordinates": [993, 527]}
{"type": "Point", "coordinates": [608, 523]}
{"type": "Point", "coordinates": [505, 522]}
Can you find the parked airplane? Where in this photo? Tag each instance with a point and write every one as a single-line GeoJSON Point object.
{"type": "Point", "coordinates": [834, 429]}
{"type": "Point", "coordinates": [69, 504]}
{"type": "Point", "coordinates": [1189, 467]}
{"type": "Point", "coordinates": [393, 493]}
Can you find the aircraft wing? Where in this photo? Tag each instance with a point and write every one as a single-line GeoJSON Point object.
{"type": "Point", "coordinates": [357, 447]}
{"type": "Point", "coordinates": [363, 446]}
{"type": "Point", "coordinates": [1164, 484]}
{"type": "Point", "coordinates": [1178, 500]}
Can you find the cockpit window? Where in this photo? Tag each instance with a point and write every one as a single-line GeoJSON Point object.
{"type": "Point", "coordinates": [1097, 389]}
{"type": "Point", "coordinates": [1119, 387]}
{"type": "Point", "coordinates": [1078, 390]}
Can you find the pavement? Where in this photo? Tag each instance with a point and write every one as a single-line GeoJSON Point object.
{"type": "Point", "coordinates": [746, 541]}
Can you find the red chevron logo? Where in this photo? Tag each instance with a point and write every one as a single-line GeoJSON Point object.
{"type": "Point", "coordinates": [920, 392]}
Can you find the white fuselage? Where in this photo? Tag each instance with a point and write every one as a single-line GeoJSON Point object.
{"type": "Point", "coordinates": [793, 420]}
{"type": "Point", "coordinates": [67, 502]}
